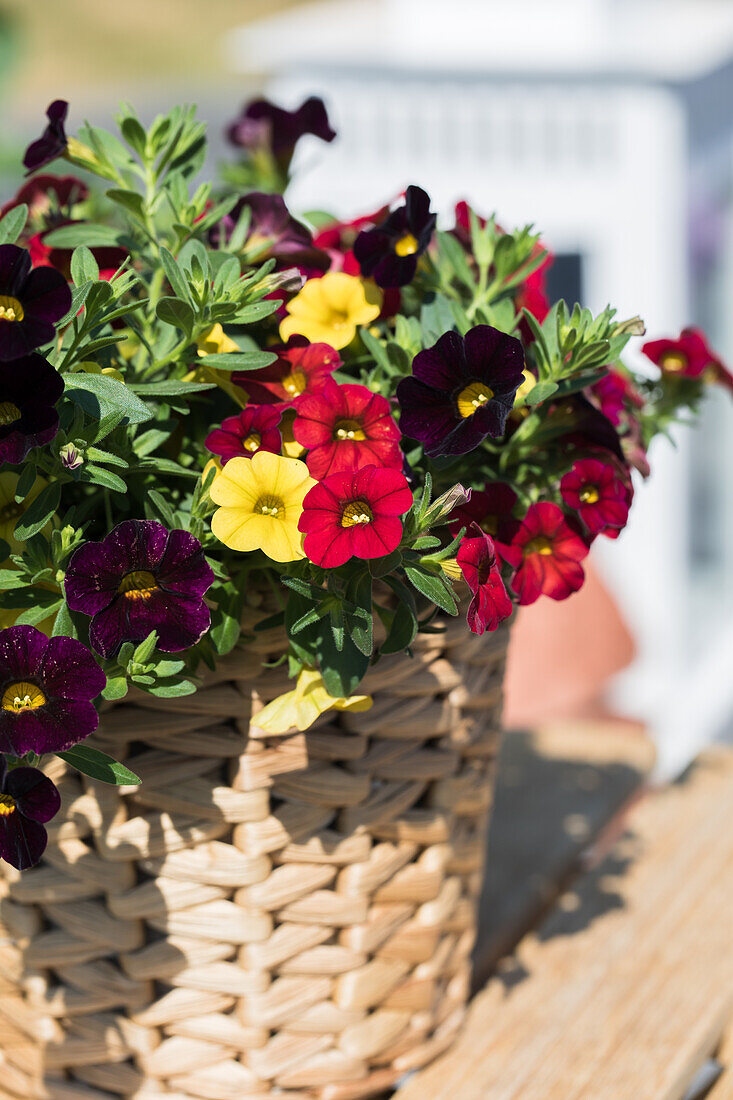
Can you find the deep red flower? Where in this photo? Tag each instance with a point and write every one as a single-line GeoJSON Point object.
{"type": "Point", "coordinates": [616, 397]}
{"type": "Point", "coordinates": [532, 293]}
{"type": "Point", "coordinates": [354, 515]}
{"type": "Point", "coordinates": [345, 428]}
{"type": "Point", "coordinates": [52, 142]}
{"type": "Point", "coordinates": [273, 232]}
{"type": "Point", "coordinates": [45, 193]}
{"type": "Point", "coordinates": [254, 429]}
{"type": "Point", "coordinates": [598, 494]}
{"type": "Point", "coordinates": [300, 368]}
{"type": "Point", "coordinates": [491, 509]}
{"type": "Point", "coordinates": [690, 356]}
{"type": "Point", "coordinates": [490, 604]}
{"type": "Point", "coordinates": [551, 555]}
{"type": "Point", "coordinates": [263, 124]}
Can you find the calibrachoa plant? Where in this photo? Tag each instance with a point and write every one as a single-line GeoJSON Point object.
{"type": "Point", "coordinates": [212, 405]}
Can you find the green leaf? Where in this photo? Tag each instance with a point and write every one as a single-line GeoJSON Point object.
{"type": "Point", "coordinates": [162, 507]}
{"type": "Point", "coordinates": [131, 201]}
{"type": "Point", "coordinates": [174, 275]}
{"type": "Point", "coordinates": [84, 268]}
{"type": "Point", "coordinates": [176, 312]}
{"type": "Point", "coordinates": [116, 687]}
{"type": "Point", "coordinates": [244, 360]}
{"type": "Point", "coordinates": [134, 134]}
{"type": "Point", "coordinates": [39, 512]}
{"type": "Point", "coordinates": [63, 626]}
{"type": "Point", "coordinates": [26, 481]}
{"type": "Point", "coordinates": [97, 475]}
{"type": "Point", "coordinates": [13, 223]}
{"type": "Point", "coordinates": [170, 388]}
{"type": "Point", "coordinates": [71, 236]}
{"type": "Point", "coordinates": [99, 395]}
{"type": "Point", "coordinates": [36, 614]}
{"type": "Point", "coordinates": [173, 690]}
{"type": "Point", "coordinates": [144, 651]}
{"type": "Point", "coordinates": [403, 627]}
{"type": "Point", "coordinates": [97, 765]}
{"type": "Point", "coordinates": [541, 392]}
{"type": "Point", "coordinates": [432, 586]}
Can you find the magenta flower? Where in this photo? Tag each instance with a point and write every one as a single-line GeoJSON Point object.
{"type": "Point", "coordinates": [28, 799]}
{"type": "Point", "coordinates": [31, 301]}
{"type": "Point", "coordinates": [46, 688]}
{"type": "Point", "coordinates": [254, 429]}
{"type": "Point", "coordinates": [461, 390]}
{"type": "Point", "coordinates": [140, 578]}
{"type": "Point", "coordinates": [52, 142]}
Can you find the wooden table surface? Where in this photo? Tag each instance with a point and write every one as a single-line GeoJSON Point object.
{"type": "Point", "coordinates": [607, 929]}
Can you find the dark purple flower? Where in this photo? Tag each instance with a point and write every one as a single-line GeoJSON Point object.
{"type": "Point", "coordinates": [141, 577]}
{"type": "Point", "coordinates": [52, 142]}
{"type": "Point", "coordinates": [461, 390]}
{"type": "Point", "coordinates": [31, 301]}
{"type": "Point", "coordinates": [28, 799]}
{"type": "Point", "coordinates": [46, 688]}
{"type": "Point", "coordinates": [263, 125]}
{"type": "Point", "coordinates": [29, 390]}
{"type": "Point", "coordinates": [389, 252]}
{"type": "Point", "coordinates": [274, 230]}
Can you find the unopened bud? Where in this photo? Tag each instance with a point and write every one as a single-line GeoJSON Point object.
{"type": "Point", "coordinates": [70, 457]}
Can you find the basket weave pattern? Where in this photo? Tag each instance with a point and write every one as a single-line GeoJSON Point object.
{"type": "Point", "coordinates": [266, 916]}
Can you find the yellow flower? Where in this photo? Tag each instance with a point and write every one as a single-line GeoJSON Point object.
{"type": "Point", "coordinates": [328, 310]}
{"type": "Point", "coordinates": [11, 510]}
{"type": "Point", "coordinates": [215, 342]}
{"type": "Point", "coordinates": [290, 444]}
{"type": "Point", "coordinates": [299, 708]}
{"type": "Point", "coordinates": [90, 367]}
{"type": "Point", "coordinates": [261, 501]}
{"type": "Point", "coordinates": [528, 384]}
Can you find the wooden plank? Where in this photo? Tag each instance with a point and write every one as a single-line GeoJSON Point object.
{"type": "Point", "coordinates": [723, 1088]}
{"type": "Point", "coordinates": [626, 987]}
{"type": "Point", "coordinates": [557, 788]}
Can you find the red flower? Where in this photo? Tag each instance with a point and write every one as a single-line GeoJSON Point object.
{"type": "Point", "coordinates": [551, 555]}
{"type": "Point", "coordinates": [532, 293]}
{"type": "Point", "coordinates": [490, 604]}
{"type": "Point", "coordinates": [690, 356]}
{"type": "Point", "coordinates": [490, 508]}
{"type": "Point", "coordinates": [338, 239]}
{"type": "Point", "coordinates": [254, 429]}
{"type": "Point", "coordinates": [596, 491]}
{"type": "Point", "coordinates": [345, 428]}
{"type": "Point", "coordinates": [354, 515]}
{"type": "Point", "coordinates": [300, 368]}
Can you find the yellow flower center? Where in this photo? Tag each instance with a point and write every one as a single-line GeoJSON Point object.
{"type": "Point", "coordinates": [22, 696]}
{"type": "Point", "coordinates": [7, 805]}
{"type": "Point", "coordinates": [295, 382]}
{"type": "Point", "coordinates": [9, 413]}
{"type": "Point", "coordinates": [406, 245]}
{"type": "Point", "coordinates": [270, 506]}
{"type": "Point", "coordinates": [138, 585]}
{"type": "Point", "coordinates": [589, 495]}
{"type": "Point", "coordinates": [540, 545]}
{"type": "Point", "coordinates": [252, 441]}
{"type": "Point", "coordinates": [473, 397]}
{"type": "Point", "coordinates": [356, 513]}
{"type": "Point", "coordinates": [10, 308]}
{"type": "Point", "coordinates": [348, 429]}
{"type": "Point", "coordinates": [673, 361]}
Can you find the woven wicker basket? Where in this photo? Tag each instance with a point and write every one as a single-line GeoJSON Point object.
{"type": "Point", "coordinates": [266, 916]}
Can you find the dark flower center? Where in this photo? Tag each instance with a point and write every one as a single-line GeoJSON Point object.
{"type": "Point", "coordinates": [539, 545]}
{"type": "Point", "coordinates": [252, 442]}
{"type": "Point", "coordinates": [356, 513]}
{"type": "Point", "coordinates": [138, 585]}
{"type": "Point", "coordinates": [295, 383]}
{"type": "Point", "coordinates": [589, 494]}
{"type": "Point", "coordinates": [7, 805]}
{"type": "Point", "coordinates": [22, 696]}
{"type": "Point", "coordinates": [9, 413]}
{"type": "Point", "coordinates": [490, 524]}
{"type": "Point", "coordinates": [11, 511]}
{"type": "Point", "coordinates": [348, 429]}
{"type": "Point", "coordinates": [270, 506]}
{"type": "Point", "coordinates": [484, 570]}
{"type": "Point", "coordinates": [472, 398]}
{"type": "Point", "coordinates": [10, 308]}
{"type": "Point", "coordinates": [407, 245]}
{"type": "Point", "coordinates": [673, 361]}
